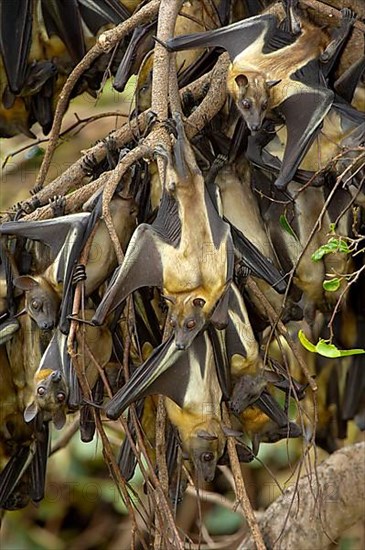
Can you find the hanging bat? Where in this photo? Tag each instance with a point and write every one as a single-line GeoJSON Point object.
{"type": "Point", "coordinates": [239, 208]}
{"type": "Point", "coordinates": [51, 384]}
{"type": "Point", "coordinates": [23, 447]}
{"type": "Point", "coordinates": [65, 237]}
{"type": "Point", "coordinates": [340, 126]}
{"type": "Point", "coordinates": [188, 379]}
{"type": "Point", "coordinates": [192, 262]}
{"type": "Point", "coordinates": [273, 68]}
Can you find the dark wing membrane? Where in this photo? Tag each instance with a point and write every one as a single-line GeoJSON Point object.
{"type": "Point", "coordinates": [63, 18]}
{"type": "Point", "coordinates": [142, 382]}
{"type": "Point", "coordinates": [142, 266]}
{"type": "Point", "coordinates": [259, 265]}
{"type": "Point", "coordinates": [303, 112]}
{"type": "Point", "coordinates": [346, 84]}
{"type": "Point", "coordinates": [15, 40]}
{"type": "Point", "coordinates": [235, 38]}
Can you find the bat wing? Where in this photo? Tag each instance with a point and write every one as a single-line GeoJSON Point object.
{"type": "Point", "coordinates": [346, 84]}
{"type": "Point", "coordinates": [259, 265]}
{"type": "Point", "coordinates": [15, 40]}
{"type": "Point", "coordinates": [12, 473]}
{"type": "Point", "coordinates": [142, 266]}
{"type": "Point", "coordinates": [218, 341]}
{"type": "Point", "coordinates": [97, 13]}
{"type": "Point", "coordinates": [303, 112]}
{"type": "Point", "coordinates": [64, 236]}
{"type": "Point", "coordinates": [64, 20]}
{"type": "Point", "coordinates": [234, 38]}
{"type": "Point", "coordinates": [127, 460]}
{"type": "Point", "coordinates": [39, 464]}
{"type": "Point", "coordinates": [148, 378]}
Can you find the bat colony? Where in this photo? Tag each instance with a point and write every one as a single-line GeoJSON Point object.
{"type": "Point", "coordinates": [240, 199]}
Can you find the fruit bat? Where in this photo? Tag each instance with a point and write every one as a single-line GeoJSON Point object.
{"type": "Point", "coordinates": [192, 262]}
{"type": "Point", "coordinates": [188, 379]}
{"type": "Point", "coordinates": [42, 302]}
{"type": "Point", "coordinates": [239, 208]}
{"type": "Point", "coordinates": [342, 126]}
{"type": "Point", "coordinates": [51, 384]}
{"type": "Point", "coordinates": [23, 447]}
{"type": "Point", "coordinates": [40, 43]}
{"type": "Point", "coordinates": [272, 68]}
{"type": "Point", "coordinates": [65, 236]}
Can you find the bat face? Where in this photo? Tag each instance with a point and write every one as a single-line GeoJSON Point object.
{"type": "Point", "coordinates": [250, 92]}
{"type": "Point", "coordinates": [41, 300]}
{"type": "Point", "coordinates": [50, 398]}
{"type": "Point", "coordinates": [205, 451]}
{"type": "Point", "coordinates": [187, 318]}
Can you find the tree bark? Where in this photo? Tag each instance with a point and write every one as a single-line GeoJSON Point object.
{"type": "Point", "coordinates": [323, 505]}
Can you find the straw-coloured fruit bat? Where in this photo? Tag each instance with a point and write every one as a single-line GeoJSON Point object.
{"type": "Point", "coordinates": [274, 68]}
{"type": "Point", "coordinates": [55, 384]}
{"type": "Point", "coordinates": [188, 378]}
{"type": "Point", "coordinates": [64, 237]}
{"type": "Point", "coordinates": [188, 251]}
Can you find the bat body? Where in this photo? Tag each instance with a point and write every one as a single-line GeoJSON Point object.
{"type": "Point", "coordinates": [272, 68]}
{"type": "Point", "coordinates": [188, 251]}
{"type": "Point", "coordinates": [189, 380]}
{"type": "Point", "coordinates": [23, 446]}
{"type": "Point", "coordinates": [65, 237]}
{"type": "Point", "coordinates": [55, 386]}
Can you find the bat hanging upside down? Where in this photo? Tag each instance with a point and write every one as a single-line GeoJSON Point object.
{"type": "Point", "coordinates": [272, 67]}
{"type": "Point", "coordinates": [187, 252]}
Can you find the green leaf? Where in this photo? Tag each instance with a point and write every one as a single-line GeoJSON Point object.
{"type": "Point", "coordinates": [333, 245]}
{"type": "Point", "coordinates": [305, 342]}
{"type": "Point", "coordinates": [332, 285]}
{"type": "Point", "coordinates": [326, 349]}
{"type": "Point", "coordinates": [354, 351]}
{"type": "Point", "coordinates": [283, 220]}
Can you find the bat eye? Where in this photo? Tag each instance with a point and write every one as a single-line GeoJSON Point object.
{"type": "Point", "coordinates": [41, 390]}
{"type": "Point", "coordinates": [190, 324]}
{"type": "Point", "coordinates": [264, 106]}
{"type": "Point", "coordinates": [246, 104]}
{"type": "Point", "coordinates": [207, 457]}
{"type": "Point", "coordinates": [60, 397]}
{"type": "Point", "coordinates": [199, 302]}
{"type": "Point", "coordinates": [36, 304]}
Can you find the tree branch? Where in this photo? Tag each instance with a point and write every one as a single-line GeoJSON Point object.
{"type": "Point", "coordinates": [324, 507]}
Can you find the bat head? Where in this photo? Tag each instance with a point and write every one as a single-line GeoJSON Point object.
{"type": "Point", "coordinates": [206, 446]}
{"type": "Point", "coordinates": [187, 318]}
{"type": "Point", "coordinates": [41, 300]}
{"type": "Point", "coordinates": [251, 93]}
{"type": "Point", "coordinates": [50, 398]}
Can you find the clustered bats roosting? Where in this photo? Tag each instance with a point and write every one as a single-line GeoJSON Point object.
{"type": "Point", "coordinates": [255, 194]}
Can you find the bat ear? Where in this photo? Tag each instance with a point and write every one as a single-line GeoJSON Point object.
{"type": "Point", "coordinates": [241, 81]}
{"type": "Point", "coordinates": [59, 419]}
{"type": "Point", "coordinates": [25, 282]}
{"type": "Point", "coordinates": [272, 83]}
{"type": "Point", "coordinates": [203, 434]}
{"type": "Point", "coordinates": [31, 412]}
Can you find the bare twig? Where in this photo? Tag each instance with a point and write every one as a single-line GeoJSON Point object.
{"type": "Point", "coordinates": [104, 44]}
